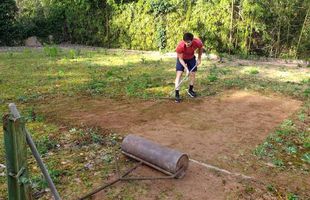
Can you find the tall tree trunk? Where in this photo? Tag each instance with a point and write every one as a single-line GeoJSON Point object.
{"type": "Point", "coordinates": [302, 30]}
{"type": "Point", "coordinates": [288, 34]}
{"type": "Point", "coordinates": [107, 25]}
{"type": "Point", "coordinates": [236, 40]}
{"type": "Point", "coordinates": [250, 37]}
{"type": "Point", "coordinates": [231, 25]}
{"type": "Point", "coordinates": [278, 40]}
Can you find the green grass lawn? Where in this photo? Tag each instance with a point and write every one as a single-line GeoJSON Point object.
{"type": "Point", "coordinates": [33, 76]}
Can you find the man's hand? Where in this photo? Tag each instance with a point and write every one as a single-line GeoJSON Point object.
{"type": "Point", "coordinates": [186, 70]}
{"type": "Point", "coordinates": [198, 61]}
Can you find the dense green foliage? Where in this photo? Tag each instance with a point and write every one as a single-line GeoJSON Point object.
{"type": "Point", "coordinates": [7, 14]}
{"type": "Point", "coordinates": [272, 28]}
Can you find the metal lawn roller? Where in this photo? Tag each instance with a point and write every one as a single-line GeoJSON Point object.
{"type": "Point", "coordinates": [168, 161]}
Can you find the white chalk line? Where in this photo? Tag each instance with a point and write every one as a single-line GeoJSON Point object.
{"type": "Point", "coordinates": [221, 170]}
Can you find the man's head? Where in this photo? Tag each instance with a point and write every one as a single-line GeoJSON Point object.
{"type": "Point", "coordinates": [188, 38]}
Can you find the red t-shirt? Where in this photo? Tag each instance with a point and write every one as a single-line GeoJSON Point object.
{"type": "Point", "coordinates": [188, 52]}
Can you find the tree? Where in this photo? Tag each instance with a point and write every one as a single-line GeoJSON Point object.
{"type": "Point", "coordinates": [278, 28]}
{"type": "Point", "coordinates": [8, 11]}
{"type": "Point", "coordinates": [305, 24]}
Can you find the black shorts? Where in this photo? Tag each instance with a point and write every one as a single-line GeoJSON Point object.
{"type": "Point", "coordinates": [190, 64]}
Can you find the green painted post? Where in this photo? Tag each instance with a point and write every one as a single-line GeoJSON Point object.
{"type": "Point", "coordinates": [16, 158]}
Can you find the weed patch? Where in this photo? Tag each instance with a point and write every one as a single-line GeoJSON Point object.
{"type": "Point", "coordinates": [287, 147]}
{"type": "Point", "coordinates": [51, 51]}
{"type": "Point", "coordinates": [45, 144]}
{"type": "Point", "coordinates": [252, 70]}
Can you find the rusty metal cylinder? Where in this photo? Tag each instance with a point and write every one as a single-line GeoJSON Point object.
{"type": "Point", "coordinates": [164, 159]}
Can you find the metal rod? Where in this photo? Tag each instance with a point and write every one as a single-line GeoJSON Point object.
{"type": "Point", "coordinates": [42, 166]}
{"type": "Point", "coordinates": [154, 178]}
{"type": "Point", "coordinates": [187, 75]}
{"type": "Point", "coordinates": [147, 163]}
{"type": "Point", "coordinates": [99, 189]}
{"type": "Point", "coordinates": [147, 178]}
{"type": "Point", "coordinates": [123, 177]}
{"type": "Point", "coordinates": [183, 79]}
{"type": "Point", "coordinates": [36, 154]}
{"type": "Point", "coordinates": [171, 176]}
{"type": "Point", "coordinates": [111, 183]}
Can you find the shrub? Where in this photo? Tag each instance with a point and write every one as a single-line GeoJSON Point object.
{"type": "Point", "coordinates": [8, 10]}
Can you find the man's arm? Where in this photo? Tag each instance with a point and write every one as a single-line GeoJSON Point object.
{"type": "Point", "coordinates": [200, 50]}
{"type": "Point", "coordinates": [180, 57]}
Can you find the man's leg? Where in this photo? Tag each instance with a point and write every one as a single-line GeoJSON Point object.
{"type": "Point", "coordinates": [192, 78]}
{"type": "Point", "coordinates": [177, 88]}
{"type": "Point", "coordinates": [192, 75]}
{"type": "Point", "coordinates": [190, 90]}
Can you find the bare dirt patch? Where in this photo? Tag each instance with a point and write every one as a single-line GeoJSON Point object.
{"type": "Point", "coordinates": [221, 131]}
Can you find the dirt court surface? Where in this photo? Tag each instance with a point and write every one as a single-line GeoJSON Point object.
{"type": "Point", "coordinates": [221, 131]}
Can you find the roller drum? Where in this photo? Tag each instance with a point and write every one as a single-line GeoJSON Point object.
{"type": "Point", "coordinates": [169, 160]}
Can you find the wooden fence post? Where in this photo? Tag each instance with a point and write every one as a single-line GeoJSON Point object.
{"type": "Point", "coordinates": [16, 158]}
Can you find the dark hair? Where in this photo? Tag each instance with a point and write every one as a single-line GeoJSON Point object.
{"type": "Point", "coordinates": [188, 36]}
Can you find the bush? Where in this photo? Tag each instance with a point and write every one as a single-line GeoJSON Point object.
{"type": "Point", "coordinates": [51, 51]}
{"type": "Point", "coordinates": [8, 11]}
{"type": "Point", "coordinates": [160, 24]}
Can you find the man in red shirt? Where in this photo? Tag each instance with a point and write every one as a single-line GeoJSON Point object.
{"type": "Point", "coordinates": [186, 60]}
